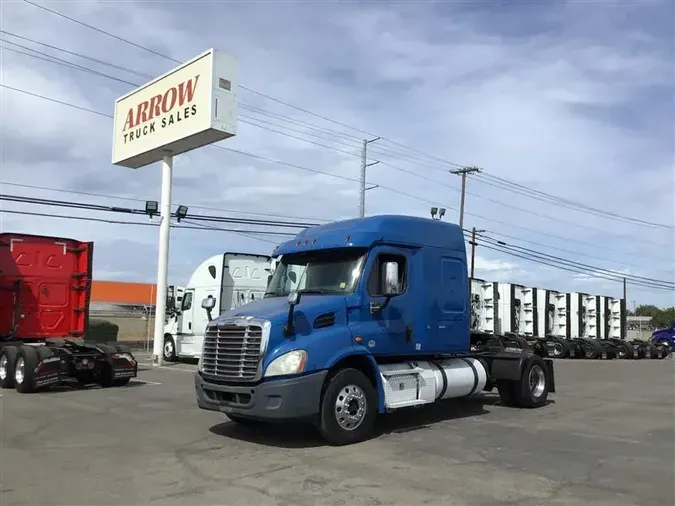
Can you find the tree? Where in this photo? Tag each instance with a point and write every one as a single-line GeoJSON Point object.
{"type": "Point", "coordinates": [660, 317]}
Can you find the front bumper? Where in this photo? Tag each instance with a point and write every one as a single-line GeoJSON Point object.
{"type": "Point", "coordinates": [275, 399]}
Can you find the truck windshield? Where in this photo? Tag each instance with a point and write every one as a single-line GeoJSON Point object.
{"type": "Point", "coordinates": [328, 272]}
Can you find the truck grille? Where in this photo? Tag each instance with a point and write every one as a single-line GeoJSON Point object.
{"type": "Point", "coordinates": [232, 352]}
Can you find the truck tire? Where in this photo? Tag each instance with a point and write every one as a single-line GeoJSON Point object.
{"type": "Point", "coordinates": [348, 408]}
{"type": "Point", "coordinates": [531, 390]}
{"type": "Point", "coordinates": [7, 362]}
{"type": "Point", "coordinates": [652, 351]}
{"type": "Point", "coordinates": [560, 348]}
{"type": "Point", "coordinates": [169, 348]}
{"type": "Point", "coordinates": [24, 369]}
{"type": "Point", "coordinates": [665, 346]}
{"type": "Point", "coordinates": [609, 350]}
{"type": "Point", "coordinates": [591, 348]}
{"type": "Point", "coordinates": [105, 376]}
{"type": "Point", "coordinates": [625, 350]}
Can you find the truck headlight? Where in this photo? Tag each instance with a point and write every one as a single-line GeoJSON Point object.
{"type": "Point", "coordinates": [292, 362]}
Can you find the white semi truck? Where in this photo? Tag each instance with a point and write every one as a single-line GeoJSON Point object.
{"type": "Point", "coordinates": [232, 279]}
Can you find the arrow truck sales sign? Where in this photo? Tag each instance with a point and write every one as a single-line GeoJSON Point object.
{"type": "Point", "coordinates": [191, 106]}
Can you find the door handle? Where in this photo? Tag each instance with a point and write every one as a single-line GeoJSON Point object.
{"type": "Point", "coordinates": [408, 333]}
{"type": "Point", "coordinates": [189, 325]}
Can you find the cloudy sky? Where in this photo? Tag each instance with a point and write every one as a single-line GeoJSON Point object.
{"type": "Point", "coordinates": [573, 99]}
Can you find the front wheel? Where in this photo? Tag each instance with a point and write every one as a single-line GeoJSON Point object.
{"type": "Point", "coordinates": [348, 408]}
{"type": "Point", "coordinates": [169, 349]}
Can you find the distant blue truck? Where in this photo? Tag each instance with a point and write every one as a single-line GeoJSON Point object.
{"type": "Point", "coordinates": [361, 317]}
{"type": "Point", "coordinates": [665, 337]}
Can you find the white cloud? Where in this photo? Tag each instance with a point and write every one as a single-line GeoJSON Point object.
{"type": "Point", "coordinates": [575, 102]}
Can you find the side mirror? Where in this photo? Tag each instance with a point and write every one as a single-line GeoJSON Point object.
{"type": "Point", "coordinates": [293, 298]}
{"type": "Point", "coordinates": [209, 303]}
{"type": "Point", "coordinates": [391, 281]}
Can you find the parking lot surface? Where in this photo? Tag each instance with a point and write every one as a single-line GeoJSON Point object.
{"type": "Point", "coordinates": [607, 439]}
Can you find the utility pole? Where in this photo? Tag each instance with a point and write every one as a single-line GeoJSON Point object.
{"type": "Point", "coordinates": [473, 248]}
{"type": "Point", "coordinates": [364, 165]}
{"type": "Point", "coordinates": [463, 171]}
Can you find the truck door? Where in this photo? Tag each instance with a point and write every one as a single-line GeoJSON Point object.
{"type": "Point", "coordinates": [389, 323]}
{"type": "Point", "coordinates": [185, 338]}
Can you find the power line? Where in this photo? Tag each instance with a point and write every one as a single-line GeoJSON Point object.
{"type": "Point", "coordinates": [551, 260]}
{"type": "Point", "coordinates": [133, 199]}
{"type": "Point", "coordinates": [533, 193]}
{"type": "Point", "coordinates": [496, 182]}
{"type": "Point", "coordinates": [142, 212]}
{"type": "Point", "coordinates": [79, 55]}
{"type": "Point", "coordinates": [556, 248]}
{"type": "Point", "coordinates": [556, 219]}
{"type": "Point", "coordinates": [53, 59]}
{"type": "Point", "coordinates": [617, 274]}
{"type": "Point", "coordinates": [572, 268]}
{"type": "Point", "coordinates": [346, 178]}
{"type": "Point", "coordinates": [287, 104]}
{"type": "Point", "coordinates": [149, 224]}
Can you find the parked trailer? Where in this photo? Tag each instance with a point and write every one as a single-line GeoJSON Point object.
{"type": "Point", "coordinates": [45, 286]}
{"type": "Point", "coordinates": [343, 334]}
{"type": "Point", "coordinates": [567, 325]}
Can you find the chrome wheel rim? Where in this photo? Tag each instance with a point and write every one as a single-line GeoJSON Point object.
{"type": "Point", "coordinates": [3, 367]}
{"type": "Point", "coordinates": [350, 407]}
{"type": "Point", "coordinates": [537, 380]}
{"type": "Point", "coordinates": [20, 370]}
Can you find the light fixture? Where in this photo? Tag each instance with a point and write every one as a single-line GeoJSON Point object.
{"type": "Point", "coordinates": [434, 210]}
{"type": "Point", "coordinates": [151, 208]}
{"type": "Point", "coordinates": [441, 212]}
{"type": "Point", "coordinates": [181, 212]}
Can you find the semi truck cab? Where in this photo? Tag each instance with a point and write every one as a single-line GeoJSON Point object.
{"type": "Point", "coordinates": [665, 337]}
{"type": "Point", "coordinates": [232, 279]}
{"type": "Point", "coordinates": [360, 317]}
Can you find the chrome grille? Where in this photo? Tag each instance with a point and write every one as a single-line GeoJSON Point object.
{"type": "Point", "coordinates": [232, 352]}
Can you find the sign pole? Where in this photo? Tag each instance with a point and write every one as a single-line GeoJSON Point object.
{"type": "Point", "coordinates": [162, 259]}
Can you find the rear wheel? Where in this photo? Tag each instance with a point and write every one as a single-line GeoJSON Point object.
{"type": "Point", "coordinates": [7, 362]}
{"type": "Point", "coordinates": [24, 369]}
{"type": "Point", "coordinates": [348, 408]}
{"type": "Point", "coordinates": [531, 390]}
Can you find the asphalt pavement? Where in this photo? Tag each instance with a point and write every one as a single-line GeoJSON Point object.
{"type": "Point", "coordinates": [607, 439]}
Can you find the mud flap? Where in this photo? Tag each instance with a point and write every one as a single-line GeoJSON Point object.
{"type": "Point", "coordinates": [47, 372]}
{"type": "Point", "coordinates": [124, 365]}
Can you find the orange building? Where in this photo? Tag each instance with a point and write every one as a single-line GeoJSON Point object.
{"type": "Point", "coordinates": [122, 292]}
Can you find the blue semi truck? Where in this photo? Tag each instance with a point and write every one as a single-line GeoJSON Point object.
{"type": "Point", "coordinates": [361, 317]}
